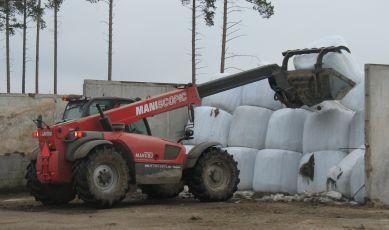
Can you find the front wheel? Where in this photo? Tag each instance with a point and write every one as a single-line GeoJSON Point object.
{"type": "Point", "coordinates": [48, 194]}
{"type": "Point", "coordinates": [101, 178]}
{"type": "Point", "coordinates": [215, 177]}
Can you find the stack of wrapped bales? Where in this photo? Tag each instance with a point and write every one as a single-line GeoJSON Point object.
{"type": "Point", "coordinates": [291, 150]}
{"type": "Point", "coordinates": [276, 165]}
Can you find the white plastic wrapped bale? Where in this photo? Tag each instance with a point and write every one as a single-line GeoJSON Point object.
{"type": "Point", "coordinates": [260, 94]}
{"type": "Point", "coordinates": [327, 129]}
{"type": "Point", "coordinates": [248, 127]}
{"type": "Point", "coordinates": [340, 177]}
{"type": "Point", "coordinates": [276, 171]}
{"type": "Point", "coordinates": [211, 124]}
{"type": "Point", "coordinates": [357, 181]}
{"type": "Point", "coordinates": [285, 129]}
{"type": "Point", "coordinates": [343, 62]}
{"type": "Point", "coordinates": [246, 161]}
{"type": "Point", "coordinates": [188, 148]}
{"type": "Point", "coordinates": [227, 100]}
{"type": "Point", "coordinates": [357, 130]}
{"type": "Point", "coordinates": [314, 168]}
{"type": "Point", "coordinates": [326, 105]}
{"type": "Point", "coordinates": [355, 99]}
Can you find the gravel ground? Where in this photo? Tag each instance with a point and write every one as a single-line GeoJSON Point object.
{"type": "Point", "coordinates": [22, 212]}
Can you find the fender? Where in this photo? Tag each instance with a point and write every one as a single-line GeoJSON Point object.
{"type": "Point", "coordinates": [85, 148]}
{"type": "Point", "coordinates": [73, 145]}
{"type": "Point", "coordinates": [196, 152]}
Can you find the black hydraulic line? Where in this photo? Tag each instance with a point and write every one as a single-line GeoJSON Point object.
{"type": "Point", "coordinates": [236, 80]}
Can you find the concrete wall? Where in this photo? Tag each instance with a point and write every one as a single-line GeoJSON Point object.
{"type": "Point", "coordinates": [377, 133]}
{"type": "Point", "coordinates": [16, 119]}
{"type": "Point", "coordinates": [169, 125]}
{"type": "Point", "coordinates": [16, 126]}
{"type": "Point", "coordinates": [12, 172]}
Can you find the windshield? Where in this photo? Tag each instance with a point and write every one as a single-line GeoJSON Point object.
{"type": "Point", "coordinates": [73, 110]}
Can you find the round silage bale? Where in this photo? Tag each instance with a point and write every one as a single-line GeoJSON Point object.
{"type": "Point", "coordinates": [276, 171]}
{"type": "Point", "coordinates": [246, 162]}
{"type": "Point", "coordinates": [188, 148]}
{"type": "Point", "coordinates": [314, 168]}
{"type": "Point", "coordinates": [357, 131]}
{"type": "Point", "coordinates": [342, 62]}
{"type": "Point", "coordinates": [340, 176]}
{"type": "Point", "coordinates": [211, 124]}
{"type": "Point", "coordinates": [355, 99]}
{"type": "Point", "coordinates": [260, 94]}
{"type": "Point", "coordinates": [327, 130]}
{"type": "Point", "coordinates": [248, 127]}
{"type": "Point", "coordinates": [357, 181]}
{"type": "Point", "coordinates": [227, 100]}
{"type": "Point", "coordinates": [285, 129]}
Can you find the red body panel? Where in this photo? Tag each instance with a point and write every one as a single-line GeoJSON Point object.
{"type": "Point", "coordinates": [140, 144]}
{"type": "Point", "coordinates": [52, 166]}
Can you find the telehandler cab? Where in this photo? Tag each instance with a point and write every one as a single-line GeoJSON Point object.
{"type": "Point", "coordinates": [98, 156]}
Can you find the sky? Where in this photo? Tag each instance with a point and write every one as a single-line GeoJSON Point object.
{"type": "Point", "coordinates": [152, 40]}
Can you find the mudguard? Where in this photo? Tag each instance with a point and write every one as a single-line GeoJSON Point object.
{"type": "Point", "coordinates": [85, 148]}
{"type": "Point", "coordinates": [196, 152]}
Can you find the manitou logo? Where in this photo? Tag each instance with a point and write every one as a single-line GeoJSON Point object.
{"type": "Point", "coordinates": [162, 103]}
{"type": "Point", "coordinates": [46, 134]}
{"type": "Point", "coordinates": [145, 155]}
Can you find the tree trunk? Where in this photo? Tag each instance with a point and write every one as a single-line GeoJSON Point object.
{"type": "Point", "coordinates": [55, 44]}
{"type": "Point", "coordinates": [224, 38]}
{"type": "Point", "coordinates": [24, 45]}
{"type": "Point", "coordinates": [38, 28]}
{"type": "Point", "coordinates": [110, 40]}
{"type": "Point", "coordinates": [194, 42]}
{"type": "Point", "coordinates": [7, 33]}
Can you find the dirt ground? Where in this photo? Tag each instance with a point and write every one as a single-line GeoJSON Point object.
{"type": "Point", "coordinates": [22, 212]}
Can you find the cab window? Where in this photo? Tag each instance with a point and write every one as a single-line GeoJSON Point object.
{"type": "Point", "coordinates": [138, 127]}
{"type": "Point", "coordinates": [104, 104]}
{"type": "Point", "coordinates": [73, 110]}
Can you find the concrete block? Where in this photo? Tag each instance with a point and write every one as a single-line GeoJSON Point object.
{"type": "Point", "coordinates": [377, 133]}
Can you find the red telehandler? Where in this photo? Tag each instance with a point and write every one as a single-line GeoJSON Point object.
{"type": "Point", "coordinates": [96, 158]}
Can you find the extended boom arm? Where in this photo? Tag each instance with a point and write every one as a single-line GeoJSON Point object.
{"type": "Point", "coordinates": [293, 88]}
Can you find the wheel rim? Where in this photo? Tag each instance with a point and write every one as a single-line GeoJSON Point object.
{"type": "Point", "coordinates": [216, 176]}
{"type": "Point", "coordinates": [105, 177]}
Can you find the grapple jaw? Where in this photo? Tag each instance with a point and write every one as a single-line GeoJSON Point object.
{"type": "Point", "coordinates": [309, 87]}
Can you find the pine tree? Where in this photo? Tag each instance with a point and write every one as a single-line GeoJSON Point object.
{"type": "Point", "coordinates": [55, 6]}
{"type": "Point", "coordinates": [263, 7]}
{"type": "Point", "coordinates": [28, 9]}
{"type": "Point", "coordinates": [208, 7]}
{"type": "Point", "coordinates": [110, 34]}
{"type": "Point", "coordinates": [8, 24]}
{"type": "Point", "coordinates": [40, 24]}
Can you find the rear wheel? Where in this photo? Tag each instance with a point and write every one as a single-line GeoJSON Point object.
{"type": "Point", "coordinates": [48, 194]}
{"type": "Point", "coordinates": [215, 177]}
{"type": "Point", "coordinates": [162, 191]}
{"type": "Point", "coordinates": [101, 178]}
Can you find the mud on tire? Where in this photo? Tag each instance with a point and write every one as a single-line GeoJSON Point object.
{"type": "Point", "coordinates": [102, 178]}
{"type": "Point", "coordinates": [48, 194]}
{"type": "Point", "coordinates": [215, 177]}
{"type": "Point", "coordinates": [162, 191]}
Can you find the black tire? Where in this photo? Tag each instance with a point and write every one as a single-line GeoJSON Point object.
{"type": "Point", "coordinates": [162, 191]}
{"type": "Point", "coordinates": [48, 194]}
{"type": "Point", "coordinates": [215, 177]}
{"type": "Point", "coordinates": [102, 178]}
